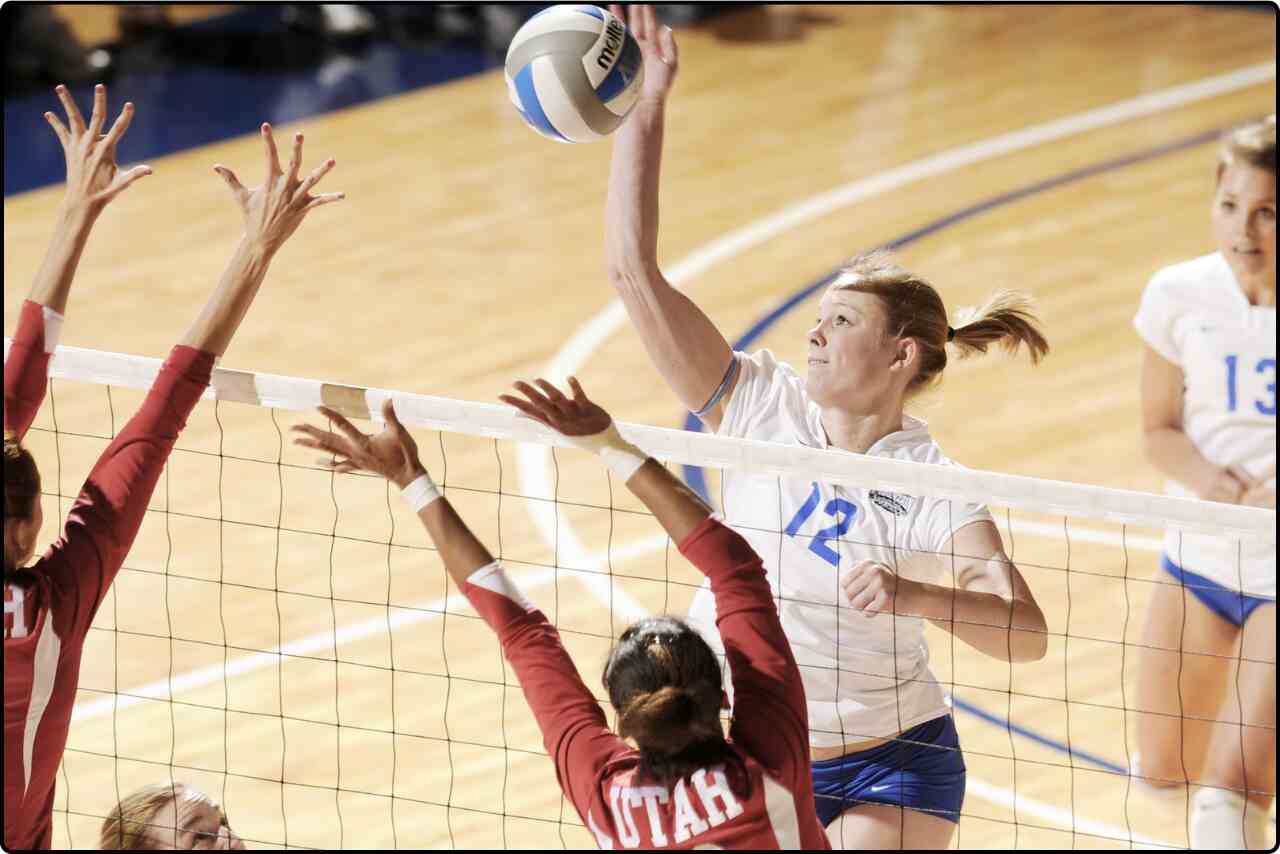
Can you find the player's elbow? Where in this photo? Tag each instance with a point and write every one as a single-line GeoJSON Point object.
{"type": "Point", "coordinates": [631, 275]}
{"type": "Point", "coordinates": [1155, 438]}
{"type": "Point", "coordinates": [1029, 639]}
{"type": "Point", "coordinates": [1031, 646]}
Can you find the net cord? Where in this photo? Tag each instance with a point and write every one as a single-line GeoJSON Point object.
{"type": "Point", "coordinates": [683, 447]}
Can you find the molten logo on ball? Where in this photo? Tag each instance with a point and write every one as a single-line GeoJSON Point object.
{"type": "Point", "coordinates": [574, 72]}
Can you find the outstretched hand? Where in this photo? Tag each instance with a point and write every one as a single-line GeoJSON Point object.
{"type": "Point", "coordinates": [393, 453]}
{"type": "Point", "coordinates": [274, 210]}
{"type": "Point", "coordinates": [93, 178]}
{"type": "Point", "coordinates": [572, 417]}
{"type": "Point", "coordinates": [657, 47]}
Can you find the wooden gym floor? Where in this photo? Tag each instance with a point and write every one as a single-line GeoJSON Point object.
{"type": "Point", "coordinates": [468, 252]}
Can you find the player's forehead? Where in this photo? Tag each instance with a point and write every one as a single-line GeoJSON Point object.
{"type": "Point", "coordinates": [1243, 181]}
{"type": "Point", "coordinates": [189, 807]}
{"type": "Point", "coordinates": [840, 297]}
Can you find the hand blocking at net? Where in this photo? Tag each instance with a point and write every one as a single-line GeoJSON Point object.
{"type": "Point", "coordinates": [93, 178]}
{"type": "Point", "coordinates": [393, 453]}
{"type": "Point", "coordinates": [274, 209]}
{"type": "Point", "coordinates": [61, 591]}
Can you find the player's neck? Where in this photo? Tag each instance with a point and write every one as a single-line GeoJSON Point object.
{"type": "Point", "coordinates": [1260, 293]}
{"type": "Point", "coordinates": [858, 431]}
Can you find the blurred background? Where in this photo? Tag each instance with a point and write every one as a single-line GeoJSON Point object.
{"type": "Point", "coordinates": [1067, 151]}
{"type": "Point", "coordinates": [244, 63]}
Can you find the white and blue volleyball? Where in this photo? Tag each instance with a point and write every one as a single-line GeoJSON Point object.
{"type": "Point", "coordinates": [574, 72]}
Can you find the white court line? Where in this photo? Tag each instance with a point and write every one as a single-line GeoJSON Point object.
{"type": "Point", "coordinates": [324, 641]}
{"type": "Point", "coordinates": [163, 689]}
{"type": "Point", "coordinates": [1056, 815]}
{"type": "Point", "coordinates": [1082, 534]}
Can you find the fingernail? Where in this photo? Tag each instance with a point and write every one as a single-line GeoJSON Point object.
{"type": "Point", "coordinates": [59, 88]}
{"type": "Point", "coordinates": [97, 88]}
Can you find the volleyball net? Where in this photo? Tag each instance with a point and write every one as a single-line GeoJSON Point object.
{"type": "Point", "coordinates": [285, 639]}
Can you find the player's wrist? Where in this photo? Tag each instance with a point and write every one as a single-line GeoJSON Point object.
{"type": "Point", "coordinates": [620, 456]}
{"type": "Point", "coordinates": [76, 216]}
{"type": "Point", "coordinates": [419, 492]}
{"type": "Point", "coordinates": [408, 475]}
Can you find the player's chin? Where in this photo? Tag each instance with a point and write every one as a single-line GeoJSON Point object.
{"type": "Point", "coordinates": [822, 391]}
{"type": "Point", "coordinates": [816, 387]}
{"type": "Point", "coordinates": [1250, 263]}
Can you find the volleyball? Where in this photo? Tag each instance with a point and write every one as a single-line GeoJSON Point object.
{"type": "Point", "coordinates": [574, 72]}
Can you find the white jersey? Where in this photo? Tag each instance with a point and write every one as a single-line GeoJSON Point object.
{"type": "Point", "coordinates": [864, 678]}
{"type": "Point", "coordinates": [1196, 316]}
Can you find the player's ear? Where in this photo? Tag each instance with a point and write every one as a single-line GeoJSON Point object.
{"type": "Point", "coordinates": [906, 353]}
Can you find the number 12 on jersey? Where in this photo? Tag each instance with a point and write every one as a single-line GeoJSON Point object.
{"type": "Point", "coordinates": [840, 510]}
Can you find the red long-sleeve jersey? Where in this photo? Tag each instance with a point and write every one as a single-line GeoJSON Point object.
{"type": "Point", "coordinates": [49, 606]}
{"type": "Point", "coordinates": [598, 770]}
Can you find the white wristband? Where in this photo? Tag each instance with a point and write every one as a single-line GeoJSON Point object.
{"type": "Point", "coordinates": [623, 461]}
{"type": "Point", "coordinates": [421, 492]}
{"type": "Point", "coordinates": [623, 458]}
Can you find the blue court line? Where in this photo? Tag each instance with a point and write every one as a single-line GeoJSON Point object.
{"type": "Point", "coordinates": [694, 476]}
{"type": "Point", "coordinates": [1006, 724]}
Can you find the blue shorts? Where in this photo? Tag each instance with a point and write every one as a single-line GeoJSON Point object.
{"type": "Point", "coordinates": [922, 770]}
{"type": "Point", "coordinates": [1231, 605]}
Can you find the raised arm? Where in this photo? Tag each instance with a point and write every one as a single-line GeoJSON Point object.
{"type": "Point", "coordinates": [93, 180]}
{"type": "Point", "coordinates": [573, 725]}
{"type": "Point", "coordinates": [104, 521]}
{"type": "Point", "coordinates": [685, 346]}
{"type": "Point", "coordinates": [770, 717]}
{"type": "Point", "coordinates": [991, 608]}
{"type": "Point", "coordinates": [272, 213]}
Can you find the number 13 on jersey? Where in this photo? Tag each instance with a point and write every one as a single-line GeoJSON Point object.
{"type": "Point", "coordinates": [1263, 367]}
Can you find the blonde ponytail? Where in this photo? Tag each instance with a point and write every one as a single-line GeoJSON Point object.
{"type": "Point", "coordinates": [1007, 319]}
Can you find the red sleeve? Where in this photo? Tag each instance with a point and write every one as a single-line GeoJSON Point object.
{"type": "Point", "coordinates": [573, 725]}
{"type": "Point", "coordinates": [105, 519]}
{"type": "Point", "coordinates": [770, 718]}
{"type": "Point", "coordinates": [26, 370]}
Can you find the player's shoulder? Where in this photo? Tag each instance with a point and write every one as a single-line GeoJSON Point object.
{"type": "Point", "coordinates": [913, 442]}
{"type": "Point", "coordinates": [766, 364]}
{"type": "Point", "coordinates": [1191, 281]}
{"type": "Point", "coordinates": [770, 402]}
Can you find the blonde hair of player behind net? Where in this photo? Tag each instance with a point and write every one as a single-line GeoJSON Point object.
{"type": "Point", "coordinates": [126, 827]}
{"type": "Point", "coordinates": [914, 309]}
{"type": "Point", "coordinates": [1252, 144]}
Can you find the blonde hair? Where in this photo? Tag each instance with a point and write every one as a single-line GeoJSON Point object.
{"type": "Point", "coordinates": [125, 829]}
{"type": "Point", "coordinates": [915, 310]}
{"type": "Point", "coordinates": [1253, 144]}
